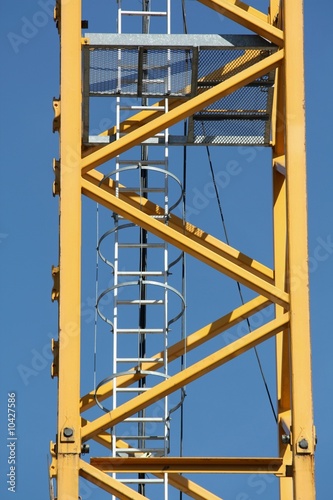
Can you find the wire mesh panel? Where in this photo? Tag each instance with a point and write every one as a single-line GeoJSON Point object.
{"type": "Point", "coordinates": [140, 72]}
{"type": "Point", "coordinates": [165, 67]}
{"type": "Point", "coordinates": [243, 117]}
{"type": "Point", "coordinates": [113, 71]}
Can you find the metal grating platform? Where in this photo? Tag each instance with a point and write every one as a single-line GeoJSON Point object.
{"type": "Point", "coordinates": [181, 66]}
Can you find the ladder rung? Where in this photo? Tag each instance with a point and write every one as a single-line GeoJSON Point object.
{"type": "Point", "coordinates": [139, 360]}
{"type": "Point", "coordinates": [144, 419]}
{"type": "Point", "coordinates": [144, 163]}
{"type": "Point", "coordinates": [153, 245]}
{"type": "Point", "coordinates": [142, 13]}
{"type": "Point", "coordinates": [154, 80]}
{"type": "Point", "coordinates": [132, 389]}
{"type": "Point", "coordinates": [143, 190]}
{"type": "Point", "coordinates": [141, 273]}
{"type": "Point", "coordinates": [140, 330]}
{"type": "Point", "coordinates": [138, 450]}
{"type": "Point", "coordinates": [140, 481]}
{"type": "Point", "coordinates": [137, 302]}
{"type": "Point", "coordinates": [151, 139]}
{"type": "Point", "coordinates": [144, 438]}
{"type": "Point", "coordinates": [150, 108]}
{"type": "Point", "coordinates": [141, 245]}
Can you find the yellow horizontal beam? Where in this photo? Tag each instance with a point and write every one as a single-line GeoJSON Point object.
{"type": "Point", "coordinates": [184, 377]}
{"type": "Point", "coordinates": [177, 350]}
{"type": "Point", "coordinates": [107, 483]}
{"type": "Point", "coordinates": [181, 483]}
{"type": "Point", "coordinates": [182, 112]}
{"type": "Point", "coordinates": [195, 233]}
{"type": "Point", "coordinates": [247, 16]}
{"type": "Point", "coordinates": [176, 237]}
{"type": "Point", "coordinates": [198, 465]}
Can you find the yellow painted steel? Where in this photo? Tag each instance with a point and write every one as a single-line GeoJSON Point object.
{"type": "Point", "coordinates": [274, 10]}
{"type": "Point", "coordinates": [181, 483]}
{"type": "Point", "coordinates": [122, 492]}
{"type": "Point", "coordinates": [145, 116]}
{"type": "Point", "coordinates": [199, 465]}
{"type": "Point", "coordinates": [186, 376]}
{"type": "Point", "coordinates": [295, 463]}
{"type": "Point", "coordinates": [69, 446]}
{"type": "Point", "coordinates": [303, 438]}
{"type": "Point", "coordinates": [245, 7]}
{"type": "Point", "coordinates": [246, 16]}
{"type": "Point", "coordinates": [181, 112]}
{"type": "Point", "coordinates": [280, 265]}
{"type": "Point", "coordinates": [177, 350]}
{"type": "Point", "coordinates": [107, 483]}
{"type": "Point", "coordinates": [195, 233]}
{"type": "Point", "coordinates": [177, 238]}
{"type": "Point", "coordinates": [190, 488]}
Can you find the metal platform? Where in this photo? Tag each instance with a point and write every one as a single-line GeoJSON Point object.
{"type": "Point", "coordinates": [180, 67]}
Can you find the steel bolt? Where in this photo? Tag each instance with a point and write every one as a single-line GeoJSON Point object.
{"type": "Point", "coordinates": [68, 432]}
{"type": "Point", "coordinates": [285, 439]}
{"type": "Point", "coordinates": [303, 444]}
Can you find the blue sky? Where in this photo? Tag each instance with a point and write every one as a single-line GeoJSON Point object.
{"type": "Point", "coordinates": [29, 239]}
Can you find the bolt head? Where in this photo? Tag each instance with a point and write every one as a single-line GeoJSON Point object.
{"type": "Point", "coordinates": [68, 432]}
{"type": "Point", "coordinates": [303, 444]}
{"type": "Point", "coordinates": [85, 448]}
{"type": "Point", "coordinates": [285, 439]}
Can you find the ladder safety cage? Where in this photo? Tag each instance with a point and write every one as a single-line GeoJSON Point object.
{"type": "Point", "coordinates": [146, 305]}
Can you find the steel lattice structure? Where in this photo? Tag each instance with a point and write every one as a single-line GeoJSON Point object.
{"type": "Point", "coordinates": [77, 175]}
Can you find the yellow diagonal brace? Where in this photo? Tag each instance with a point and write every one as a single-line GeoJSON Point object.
{"type": "Point", "coordinates": [181, 112]}
{"type": "Point", "coordinates": [174, 352]}
{"type": "Point", "coordinates": [245, 15]}
{"type": "Point", "coordinates": [107, 483]}
{"type": "Point", "coordinates": [145, 116]}
{"type": "Point", "coordinates": [195, 233]}
{"type": "Point", "coordinates": [184, 377]}
{"type": "Point", "coordinates": [192, 489]}
{"type": "Point", "coordinates": [176, 237]}
{"type": "Point", "coordinates": [249, 9]}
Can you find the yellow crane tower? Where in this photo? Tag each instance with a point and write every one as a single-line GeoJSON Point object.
{"type": "Point", "coordinates": [161, 80]}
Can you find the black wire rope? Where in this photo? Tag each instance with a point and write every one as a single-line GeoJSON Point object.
{"type": "Point", "coordinates": [238, 284]}
{"type": "Point", "coordinates": [182, 415]}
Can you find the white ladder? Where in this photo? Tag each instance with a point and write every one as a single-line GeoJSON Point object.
{"type": "Point", "coordinates": [140, 315]}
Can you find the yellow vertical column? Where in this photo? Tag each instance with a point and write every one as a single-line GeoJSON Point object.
{"type": "Point", "coordinates": [280, 261]}
{"type": "Point", "coordinates": [69, 440]}
{"type": "Point", "coordinates": [302, 412]}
